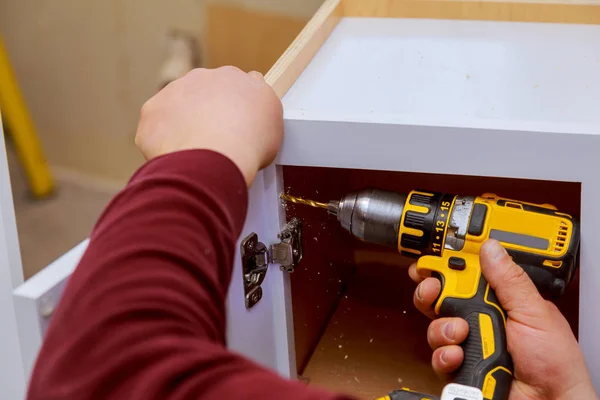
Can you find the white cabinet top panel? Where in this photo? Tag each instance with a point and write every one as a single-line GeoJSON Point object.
{"type": "Point", "coordinates": [448, 70]}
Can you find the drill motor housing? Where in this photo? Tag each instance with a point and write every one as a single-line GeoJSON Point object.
{"type": "Point", "coordinates": [542, 240]}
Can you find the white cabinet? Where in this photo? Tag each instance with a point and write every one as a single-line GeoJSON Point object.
{"type": "Point", "coordinates": [12, 378]}
{"type": "Point", "coordinates": [462, 105]}
{"type": "Point", "coordinates": [504, 107]}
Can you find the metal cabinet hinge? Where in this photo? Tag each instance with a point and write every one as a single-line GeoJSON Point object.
{"type": "Point", "coordinates": [256, 258]}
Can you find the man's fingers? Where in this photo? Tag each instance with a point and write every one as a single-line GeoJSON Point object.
{"type": "Point", "coordinates": [412, 272]}
{"type": "Point", "coordinates": [416, 276]}
{"type": "Point", "coordinates": [447, 359]}
{"type": "Point", "coordinates": [447, 331]}
{"type": "Point", "coordinates": [425, 295]}
{"type": "Point", "coordinates": [513, 287]}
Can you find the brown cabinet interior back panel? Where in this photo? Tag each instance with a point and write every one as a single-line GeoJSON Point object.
{"type": "Point", "coordinates": [356, 328]}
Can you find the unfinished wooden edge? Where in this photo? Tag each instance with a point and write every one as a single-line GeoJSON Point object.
{"type": "Point", "coordinates": [292, 62]}
{"type": "Point", "coordinates": [560, 11]}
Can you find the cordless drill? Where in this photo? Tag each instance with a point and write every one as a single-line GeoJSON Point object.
{"type": "Point", "coordinates": [445, 233]}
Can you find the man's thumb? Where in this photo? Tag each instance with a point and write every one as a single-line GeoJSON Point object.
{"type": "Point", "coordinates": [512, 285]}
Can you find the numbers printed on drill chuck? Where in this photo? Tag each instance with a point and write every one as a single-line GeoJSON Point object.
{"type": "Point", "coordinates": [424, 224]}
{"type": "Point", "coordinates": [441, 223]}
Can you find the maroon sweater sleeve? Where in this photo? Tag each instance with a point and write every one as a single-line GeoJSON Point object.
{"type": "Point", "coordinates": [143, 315]}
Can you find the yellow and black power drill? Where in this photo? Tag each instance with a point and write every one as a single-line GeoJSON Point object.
{"type": "Point", "coordinates": [445, 233]}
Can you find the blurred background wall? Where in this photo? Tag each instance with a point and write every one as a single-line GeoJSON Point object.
{"type": "Point", "coordinates": [86, 67]}
{"type": "Point", "coordinates": [252, 34]}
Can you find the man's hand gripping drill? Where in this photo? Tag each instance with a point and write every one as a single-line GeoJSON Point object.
{"type": "Point", "coordinates": [446, 234]}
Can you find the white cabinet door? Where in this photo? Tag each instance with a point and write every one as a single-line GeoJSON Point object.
{"type": "Point", "coordinates": [260, 333]}
{"type": "Point", "coordinates": [12, 377]}
{"type": "Point", "coordinates": [265, 331]}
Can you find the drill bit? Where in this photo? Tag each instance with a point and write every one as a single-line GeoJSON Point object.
{"type": "Point", "coordinates": [298, 200]}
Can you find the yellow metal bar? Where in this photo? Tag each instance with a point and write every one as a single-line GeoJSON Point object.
{"type": "Point", "coordinates": [22, 130]}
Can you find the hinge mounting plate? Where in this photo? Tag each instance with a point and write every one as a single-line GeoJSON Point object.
{"type": "Point", "coordinates": [256, 258]}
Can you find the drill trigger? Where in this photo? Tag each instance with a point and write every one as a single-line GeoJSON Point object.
{"type": "Point", "coordinates": [458, 272]}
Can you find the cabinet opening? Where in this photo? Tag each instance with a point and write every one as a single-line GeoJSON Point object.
{"type": "Point", "coordinates": [356, 329]}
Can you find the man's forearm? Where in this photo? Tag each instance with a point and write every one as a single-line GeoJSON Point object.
{"type": "Point", "coordinates": [143, 315]}
{"type": "Point", "coordinates": [151, 286]}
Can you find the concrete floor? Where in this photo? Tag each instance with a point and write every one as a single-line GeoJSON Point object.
{"type": "Point", "coordinates": [48, 228]}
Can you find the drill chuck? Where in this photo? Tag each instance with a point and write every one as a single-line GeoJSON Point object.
{"type": "Point", "coordinates": [371, 215]}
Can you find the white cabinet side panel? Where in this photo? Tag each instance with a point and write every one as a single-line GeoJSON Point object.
{"type": "Point", "coordinates": [12, 376]}
{"type": "Point", "coordinates": [589, 287]}
{"type": "Point", "coordinates": [251, 332]}
{"type": "Point", "coordinates": [279, 282]}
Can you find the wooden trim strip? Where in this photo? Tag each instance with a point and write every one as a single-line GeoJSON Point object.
{"type": "Point", "coordinates": [574, 12]}
{"type": "Point", "coordinates": [293, 61]}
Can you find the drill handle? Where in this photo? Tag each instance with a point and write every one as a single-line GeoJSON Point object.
{"type": "Point", "coordinates": [487, 364]}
